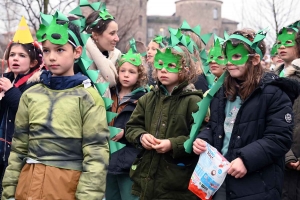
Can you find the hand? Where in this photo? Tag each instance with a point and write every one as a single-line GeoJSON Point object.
{"type": "Point", "coordinates": [199, 146]}
{"type": "Point", "coordinates": [294, 165]}
{"type": "Point", "coordinates": [162, 146]}
{"type": "Point", "coordinates": [147, 141]}
{"type": "Point", "coordinates": [118, 136]}
{"type": "Point", "coordinates": [5, 84]}
{"type": "Point", "coordinates": [237, 168]}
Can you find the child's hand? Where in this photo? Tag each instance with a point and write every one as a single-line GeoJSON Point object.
{"type": "Point", "coordinates": [294, 165]}
{"type": "Point", "coordinates": [118, 136]}
{"type": "Point", "coordinates": [237, 168]}
{"type": "Point", "coordinates": [147, 141]}
{"type": "Point", "coordinates": [162, 146]}
{"type": "Point", "coordinates": [5, 84]}
{"type": "Point", "coordinates": [199, 146]}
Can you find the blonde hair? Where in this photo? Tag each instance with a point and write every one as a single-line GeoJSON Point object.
{"type": "Point", "coordinates": [142, 78]}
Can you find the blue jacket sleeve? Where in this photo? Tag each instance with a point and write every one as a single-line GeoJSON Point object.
{"type": "Point", "coordinates": [12, 98]}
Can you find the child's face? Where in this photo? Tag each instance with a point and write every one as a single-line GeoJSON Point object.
{"type": "Point", "coordinates": [19, 60]}
{"type": "Point", "coordinates": [168, 79]}
{"type": "Point", "coordinates": [60, 58]}
{"type": "Point", "coordinates": [151, 51]}
{"type": "Point", "coordinates": [277, 60]}
{"type": "Point", "coordinates": [128, 75]}
{"type": "Point", "coordinates": [287, 54]}
{"type": "Point", "coordinates": [108, 40]}
{"type": "Point", "coordinates": [216, 69]}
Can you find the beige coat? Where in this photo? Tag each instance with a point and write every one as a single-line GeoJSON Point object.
{"type": "Point", "coordinates": [106, 66]}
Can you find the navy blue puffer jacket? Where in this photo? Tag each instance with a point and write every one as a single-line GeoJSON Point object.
{"type": "Point", "coordinates": [261, 136]}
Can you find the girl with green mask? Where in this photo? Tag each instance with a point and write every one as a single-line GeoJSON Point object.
{"type": "Point", "coordinates": [288, 42]}
{"type": "Point", "coordinates": [251, 122]}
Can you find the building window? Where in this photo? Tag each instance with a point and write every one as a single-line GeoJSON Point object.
{"type": "Point", "coordinates": [215, 31]}
{"type": "Point", "coordinates": [139, 39]}
{"type": "Point", "coordinates": [141, 3]}
{"type": "Point", "coordinates": [215, 13]}
{"type": "Point", "coordinates": [226, 29]}
{"type": "Point", "coordinates": [140, 20]}
{"type": "Point", "coordinates": [150, 32]}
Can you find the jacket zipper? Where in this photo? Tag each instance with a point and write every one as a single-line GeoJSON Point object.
{"type": "Point", "coordinates": [5, 136]}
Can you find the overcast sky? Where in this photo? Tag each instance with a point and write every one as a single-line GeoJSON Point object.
{"type": "Point", "coordinates": [167, 7]}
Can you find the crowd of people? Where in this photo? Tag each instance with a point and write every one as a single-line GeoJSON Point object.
{"type": "Point", "coordinates": [82, 120]}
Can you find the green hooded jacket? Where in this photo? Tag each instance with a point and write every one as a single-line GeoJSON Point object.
{"type": "Point", "coordinates": [164, 176]}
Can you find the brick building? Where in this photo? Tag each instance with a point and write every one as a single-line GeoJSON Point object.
{"type": "Point", "coordinates": [131, 16]}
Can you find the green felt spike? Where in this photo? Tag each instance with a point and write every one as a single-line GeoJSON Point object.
{"type": "Point", "coordinates": [158, 39]}
{"type": "Point", "coordinates": [60, 16]}
{"type": "Point", "coordinates": [102, 87]}
{"type": "Point", "coordinates": [226, 35]}
{"type": "Point", "coordinates": [133, 45]}
{"type": "Point", "coordinates": [199, 116]}
{"type": "Point", "coordinates": [96, 5]}
{"type": "Point", "coordinates": [173, 31]}
{"type": "Point", "coordinates": [173, 40]}
{"type": "Point", "coordinates": [77, 11]}
{"type": "Point", "coordinates": [115, 146]}
{"type": "Point", "coordinates": [110, 116]}
{"type": "Point", "coordinates": [185, 25]}
{"type": "Point", "coordinates": [113, 131]}
{"type": "Point", "coordinates": [84, 3]}
{"type": "Point", "coordinates": [46, 19]}
{"type": "Point", "coordinates": [84, 37]}
{"type": "Point", "coordinates": [93, 75]}
{"type": "Point", "coordinates": [205, 38]}
{"type": "Point", "coordinates": [108, 102]}
{"type": "Point", "coordinates": [197, 30]}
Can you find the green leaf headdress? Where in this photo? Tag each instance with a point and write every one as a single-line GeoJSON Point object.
{"type": "Point", "coordinates": [132, 44]}
{"type": "Point", "coordinates": [96, 6]}
{"type": "Point", "coordinates": [258, 37]}
{"type": "Point", "coordinates": [176, 37]}
{"type": "Point", "coordinates": [159, 40]}
{"type": "Point", "coordinates": [132, 58]}
{"type": "Point", "coordinates": [197, 30]}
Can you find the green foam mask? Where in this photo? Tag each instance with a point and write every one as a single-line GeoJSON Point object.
{"type": "Point", "coordinates": [286, 38]}
{"type": "Point", "coordinates": [236, 55]}
{"type": "Point", "coordinates": [167, 60]}
{"type": "Point", "coordinates": [216, 54]}
{"type": "Point", "coordinates": [274, 50]}
{"type": "Point", "coordinates": [132, 58]}
{"type": "Point", "coordinates": [55, 33]}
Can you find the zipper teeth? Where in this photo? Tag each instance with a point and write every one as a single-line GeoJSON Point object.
{"type": "Point", "coordinates": [5, 135]}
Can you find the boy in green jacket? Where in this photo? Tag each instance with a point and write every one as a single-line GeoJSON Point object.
{"type": "Point", "coordinates": [160, 125]}
{"type": "Point", "coordinates": [60, 145]}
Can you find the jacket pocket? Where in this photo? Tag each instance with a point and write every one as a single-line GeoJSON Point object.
{"type": "Point", "coordinates": [176, 175]}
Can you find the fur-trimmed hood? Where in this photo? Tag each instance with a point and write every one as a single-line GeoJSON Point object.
{"type": "Point", "coordinates": [290, 86]}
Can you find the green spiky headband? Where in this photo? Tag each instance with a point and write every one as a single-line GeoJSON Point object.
{"type": "Point", "coordinates": [159, 40]}
{"type": "Point", "coordinates": [132, 58]}
{"type": "Point", "coordinates": [96, 6]}
{"type": "Point", "coordinates": [133, 47]}
{"type": "Point", "coordinates": [259, 36]}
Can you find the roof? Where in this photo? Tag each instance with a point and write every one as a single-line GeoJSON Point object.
{"type": "Point", "coordinates": [228, 21]}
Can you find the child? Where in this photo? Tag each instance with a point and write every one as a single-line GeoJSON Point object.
{"type": "Point", "coordinates": [216, 60]}
{"type": "Point", "coordinates": [288, 43]}
{"type": "Point", "coordinates": [24, 58]}
{"type": "Point", "coordinates": [130, 87]}
{"type": "Point", "coordinates": [276, 60]}
{"type": "Point", "coordinates": [154, 44]}
{"type": "Point", "coordinates": [60, 144]}
{"type": "Point", "coordinates": [160, 125]}
{"type": "Point", "coordinates": [251, 122]}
